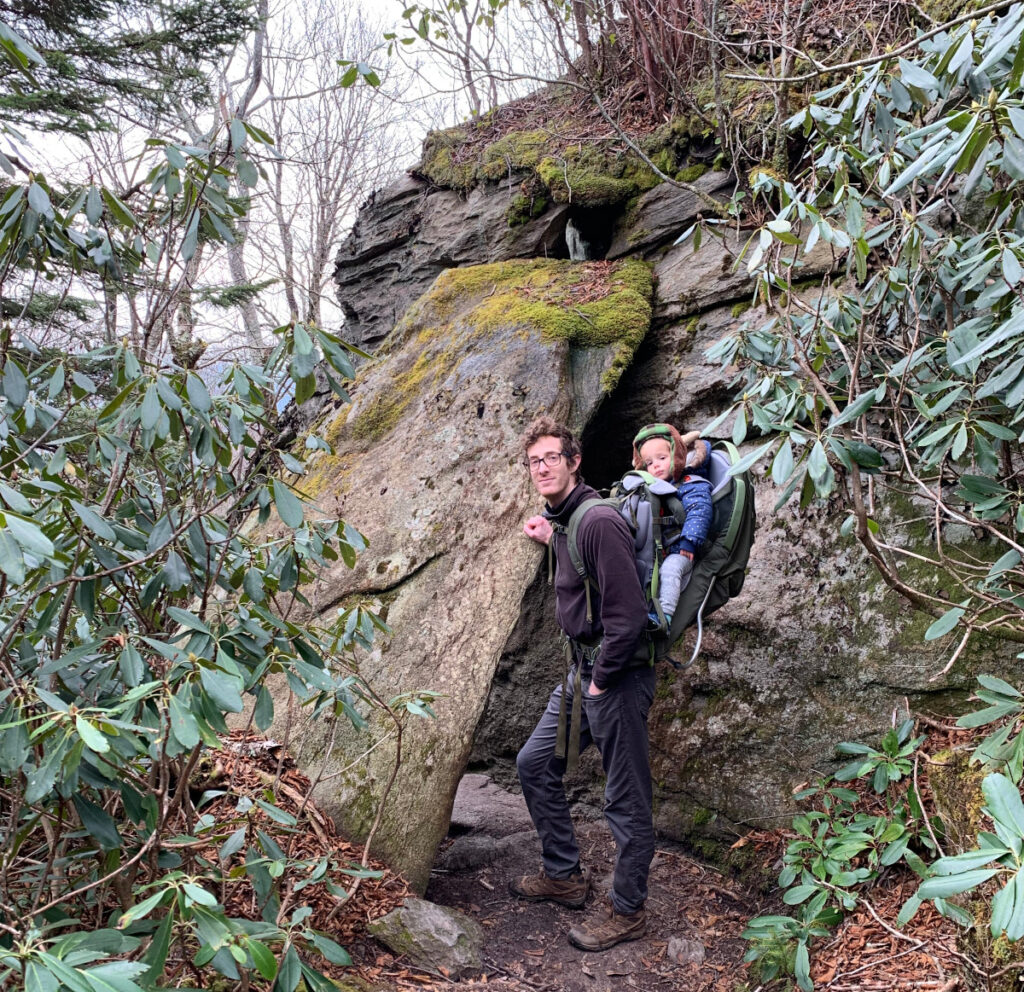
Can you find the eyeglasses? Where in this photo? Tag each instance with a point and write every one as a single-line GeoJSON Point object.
{"type": "Point", "coordinates": [551, 459]}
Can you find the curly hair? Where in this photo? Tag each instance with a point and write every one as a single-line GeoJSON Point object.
{"type": "Point", "coordinates": [545, 426]}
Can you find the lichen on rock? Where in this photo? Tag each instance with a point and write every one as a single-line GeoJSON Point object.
{"type": "Point", "coordinates": [428, 453]}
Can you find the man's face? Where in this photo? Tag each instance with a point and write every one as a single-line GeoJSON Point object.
{"type": "Point", "coordinates": [553, 481]}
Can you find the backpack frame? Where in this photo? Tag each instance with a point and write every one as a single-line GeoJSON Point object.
{"type": "Point", "coordinates": [718, 572]}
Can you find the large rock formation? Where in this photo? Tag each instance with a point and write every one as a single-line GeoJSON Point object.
{"type": "Point", "coordinates": [815, 651]}
{"type": "Point", "coordinates": [427, 466]}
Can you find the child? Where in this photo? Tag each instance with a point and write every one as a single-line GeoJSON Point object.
{"type": "Point", "coordinates": [660, 450]}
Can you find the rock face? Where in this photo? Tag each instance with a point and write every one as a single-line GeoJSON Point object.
{"type": "Point", "coordinates": [432, 937]}
{"type": "Point", "coordinates": [409, 233]}
{"type": "Point", "coordinates": [427, 465]}
{"type": "Point", "coordinates": [815, 650]}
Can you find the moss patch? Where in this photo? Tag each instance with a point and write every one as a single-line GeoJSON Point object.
{"type": "Point", "coordinates": [524, 208]}
{"type": "Point", "coordinates": [440, 163]}
{"type": "Point", "coordinates": [589, 305]}
{"type": "Point", "coordinates": [588, 176]}
{"type": "Point", "coordinates": [516, 151]}
{"type": "Point", "coordinates": [956, 786]}
{"type": "Point", "coordinates": [594, 173]}
{"type": "Point", "coordinates": [471, 309]}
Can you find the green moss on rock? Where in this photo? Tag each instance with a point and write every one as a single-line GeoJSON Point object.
{"type": "Point", "coordinates": [524, 208]}
{"type": "Point", "coordinates": [515, 151]}
{"type": "Point", "coordinates": [587, 176]}
{"type": "Point", "coordinates": [440, 163]}
{"type": "Point", "coordinates": [691, 173]}
{"type": "Point", "coordinates": [956, 787]}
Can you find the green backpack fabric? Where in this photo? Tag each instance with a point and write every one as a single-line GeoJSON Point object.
{"type": "Point", "coordinates": [653, 512]}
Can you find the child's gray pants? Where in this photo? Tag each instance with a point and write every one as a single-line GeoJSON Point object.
{"type": "Point", "coordinates": [616, 721]}
{"type": "Point", "coordinates": [673, 575]}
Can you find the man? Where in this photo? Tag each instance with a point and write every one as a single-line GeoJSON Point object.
{"type": "Point", "coordinates": [616, 696]}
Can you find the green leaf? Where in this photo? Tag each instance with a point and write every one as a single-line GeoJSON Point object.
{"type": "Point", "coordinates": [817, 464]}
{"type": "Point", "coordinates": [140, 910]}
{"type": "Point", "coordinates": [263, 958]}
{"type": "Point", "coordinates": [252, 583]}
{"type": "Point", "coordinates": [159, 947]}
{"type": "Point", "coordinates": [183, 723]}
{"type": "Point", "coordinates": [950, 885]}
{"type": "Point", "coordinates": [222, 689]}
{"type": "Point", "coordinates": [305, 388]}
{"type": "Point", "coordinates": [289, 971]}
{"type": "Point", "coordinates": [12, 561]}
{"type": "Point", "coordinates": [99, 823]}
{"type": "Point", "coordinates": [959, 442]}
{"type": "Point", "coordinates": [749, 459]}
{"type": "Point", "coordinates": [94, 740]}
{"type": "Point", "coordinates": [802, 967]}
{"type": "Point", "coordinates": [913, 74]}
{"type": "Point", "coordinates": [233, 844]}
{"type": "Point", "coordinates": [39, 979]}
{"type": "Point", "coordinates": [944, 624]}
{"type": "Point", "coordinates": [28, 534]}
{"type": "Point", "coordinates": [149, 411]}
{"type": "Point", "coordinates": [198, 895]}
{"type": "Point", "coordinates": [998, 685]}
{"type": "Point", "coordinates": [288, 506]}
{"type": "Point", "coordinates": [280, 815]}
{"type": "Point", "coordinates": [798, 894]}
{"type": "Point", "coordinates": [198, 394]}
{"type": "Point", "coordinates": [1004, 803]}
{"type": "Point", "coordinates": [93, 521]}
{"type": "Point", "coordinates": [1015, 925]}
{"type": "Point", "coordinates": [191, 240]}
{"type": "Point", "coordinates": [15, 385]}
{"type": "Point", "coordinates": [175, 572]}
{"type": "Point", "coordinates": [188, 619]}
{"type": "Point", "coordinates": [248, 174]}
{"type": "Point", "coordinates": [987, 715]}
{"type": "Point", "coordinates": [909, 910]}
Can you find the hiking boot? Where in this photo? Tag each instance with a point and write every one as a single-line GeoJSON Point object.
{"type": "Point", "coordinates": [605, 928]}
{"type": "Point", "coordinates": [571, 891]}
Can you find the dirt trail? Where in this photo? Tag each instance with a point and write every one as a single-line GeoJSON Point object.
{"type": "Point", "coordinates": [695, 916]}
{"type": "Point", "coordinates": [695, 919]}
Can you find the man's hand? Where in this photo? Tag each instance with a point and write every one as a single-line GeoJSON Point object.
{"type": "Point", "coordinates": [538, 528]}
{"type": "Point", "coordinates": [594, 691]}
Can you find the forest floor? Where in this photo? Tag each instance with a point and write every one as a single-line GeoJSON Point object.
{"type": "Point", "coordinates": [696, 916]}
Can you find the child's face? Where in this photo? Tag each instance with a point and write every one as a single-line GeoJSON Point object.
{"type": "Point", "coordinates": [657, 457]}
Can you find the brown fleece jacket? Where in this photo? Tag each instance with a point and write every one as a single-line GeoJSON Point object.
{"type": "Point", "coordinates": [618, 605]}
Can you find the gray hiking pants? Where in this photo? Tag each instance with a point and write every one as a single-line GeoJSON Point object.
{"type": "Point", "coordinates": [673, 577]}
{"type": "Point", "coordinates": [616, 721]}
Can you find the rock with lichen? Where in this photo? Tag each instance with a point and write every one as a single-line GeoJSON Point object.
{"type": "Point", "coordinates": [433, 937]}
{"type": "Point", "coordinates": [409, 233]}
{"type": "Point", "coordinates": [815, 651]}
{"type": "Point", "coordinates": [426, 464]}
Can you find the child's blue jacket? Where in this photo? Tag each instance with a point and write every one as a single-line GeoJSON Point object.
{"type": "Point", "coordinates": [694, 490]}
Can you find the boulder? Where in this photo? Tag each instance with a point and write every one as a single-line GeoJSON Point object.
{"type": "Point", "coordinates": [661, 214]}
{"type": "Point", "coordinates": [433, 937]}
{"type": "Point", "coordinates": [407, 234]}
{"type": "Point", "coordinates": [427, 465]}
{"type": "Point", "coordinates": [815, 650]}
{"type": "Point", "coordinates": [691, 280]}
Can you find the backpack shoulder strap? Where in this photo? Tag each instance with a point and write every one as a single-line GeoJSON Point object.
{"type": "Point", "coordinates": [571, 530]}
{"type": "Point", "coordinates": [741, 489]}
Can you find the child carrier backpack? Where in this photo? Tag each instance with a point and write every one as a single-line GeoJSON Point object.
{"type": "Point", "coordinates": [654, 513]}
